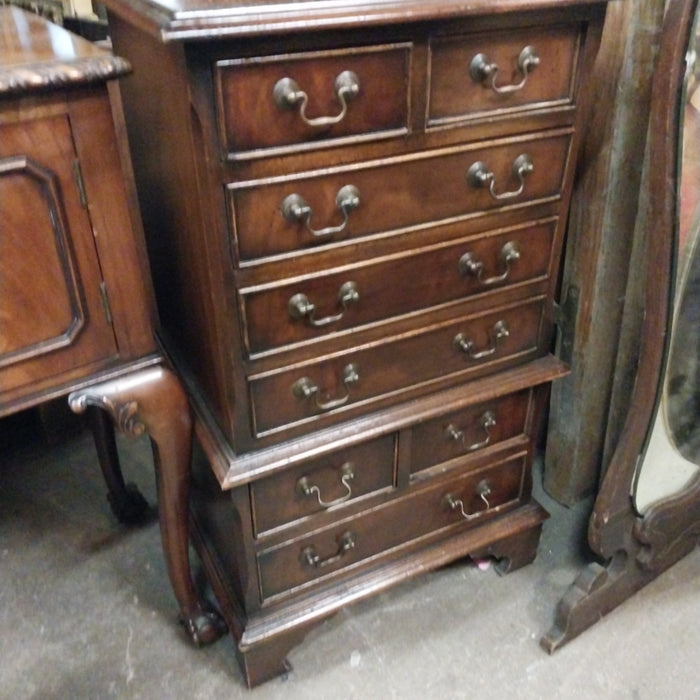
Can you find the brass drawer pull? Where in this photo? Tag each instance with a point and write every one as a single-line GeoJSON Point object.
{"type": "Point", "coordinates": [469, 265]}
{"type": "Point", "coordinates": [481, 70]}
{"type": "Point", "coordinates": [306, 489]}
{"type": "Point", "coordinates": [479, 175]}
{"type": "Point", "coordinates": [300, 307]}
{"type": "Point", "coordinates": [310, 558]}
{"type": "Point", "coordinates": [498, 332]}
{"type": "Point", "coordinates": [487, 421]}
{"type": "Point", "coordinates": [287, 95]}
{"type": "Point", "coordinates": [295, 209]}
{"type": "Point", "coordinates": [304, 388]}
{"type": "Point", "coordinates": [483, 490]}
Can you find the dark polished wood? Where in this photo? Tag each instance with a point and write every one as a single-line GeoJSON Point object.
{"type": "Point", "coordinates": [125, 500]}
{"type": "Point", "coordinates": [454, 435]}
{"type": "Point", "coordinates": [557, 49]}
{"type": "Point", "coordinates": [76, 303]}
{"type": "Point", "coordinates": [153, 402]}
{"type": "Point", "coordinates": [356, 284]}
{"type": "Point", "coordinates": [77, 312]}
{"type": "Point", "coordinates": [602, 257]}
{"type": "Point", "coordinates": [244, 86]}
{"type": "Point", "coordinates": [405, 199]}
{"type": "Point", "coordinates": [430, 359]}
{"type": "Point", "coordinates": [196, 19]}
{"type": "Point", "coordinates": [353, 473]}
{"type": "Point", "coordinates": [38, 55]}
{"type": "Point", "coordinates": [425, 515]}
{"type": "Point", "coordinates": [387, 288]}
{"type": "Point", "coordinates": [636, 548]}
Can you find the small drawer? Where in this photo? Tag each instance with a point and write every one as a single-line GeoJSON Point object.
{"type": "Point", "coordinates": [459, 348]}
{"type": "Point", "coordinates": [466, 432]}
{"type": "Point", "coordinates": [296, 214]}
{"type": "Point", "coordinates": [435, 511]}
{"type": "Point", "coordinates": [317, 486]}
{"type": "Point", "coordinates": [285, 313]}
{"type": "Point", "coordinates": [476, 76]}
{"type": "Point", "coordinates": [310, 100]}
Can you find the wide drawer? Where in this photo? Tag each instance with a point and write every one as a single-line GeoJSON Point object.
{"type": "Point", "coordinates": [435, 511]}
{"type": "Point", "coordinates": [458, 348]}
{"type": "Point", "coordinates": [309, 100]}
{"type": "Point", "coordinates": [295, 213]}
{"type": "Point", "coordinates": [477, 75]}
{"type": "Point", "coordinates": [340, 478]}
{"type": "Point", "coordinates": [468, 431]}
{"type": "Point", "coordinates": [294, 311]}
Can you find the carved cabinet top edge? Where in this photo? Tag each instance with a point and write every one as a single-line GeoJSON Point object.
{"type": "Point", "coordinates": [178, 20]}
{"type": "Point", "coordinates": [38, 55]}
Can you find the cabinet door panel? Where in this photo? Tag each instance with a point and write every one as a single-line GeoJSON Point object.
{"type": "Point", "coordinates": [51, 315]}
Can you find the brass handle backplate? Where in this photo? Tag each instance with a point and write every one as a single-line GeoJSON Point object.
{"type": "Point", "coordinates": [483, 490]}
{"type": "Point", "coordinates": [300, 307]}
{"type": "Point", "coordinates": [498, 333]}
{"type": "Point", "coordinates": [309, 556]}
{"type": "Point", "coordinates": [481, 69]}
{"type": "Point", "coordinates": [288, 95]}
{"type": "Point", "coordinates": [470, 265]}
{"type": "Point", "coordinates": [479, 175]}
{"type": "Point", "coordinates": [295, 209]}
{"type": "Point", "coordinates": [347, 474]}
{"type": "Point", "coordinates": [487, 421]}
{"type": "Point", "coordinates": [305, 388]}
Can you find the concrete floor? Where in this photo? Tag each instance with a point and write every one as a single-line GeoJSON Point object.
{"type": "Point", "coordinates": [86, 612]}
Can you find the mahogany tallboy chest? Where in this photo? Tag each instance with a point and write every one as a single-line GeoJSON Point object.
{"type": "Point", "coordinates": [355, 215]}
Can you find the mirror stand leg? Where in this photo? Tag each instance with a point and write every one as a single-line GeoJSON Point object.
{"type": "Point", "coordinates": [152, 401]}
{"type": "Point", "coordinates": [666, 533]}
{"type": "Point", "coordinates": [596, 591]}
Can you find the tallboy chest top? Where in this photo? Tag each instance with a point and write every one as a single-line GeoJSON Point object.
{"type": "Point", "coordinates": [355, 218]}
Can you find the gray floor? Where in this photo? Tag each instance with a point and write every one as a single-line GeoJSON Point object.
{"type": "Point", "coordinates": [86, 612]}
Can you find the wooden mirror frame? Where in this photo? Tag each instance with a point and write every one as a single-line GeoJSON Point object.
{"type": "Point", "coordinates": [637, 548]}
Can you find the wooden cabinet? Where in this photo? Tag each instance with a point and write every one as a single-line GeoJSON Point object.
{"type": "Point", "coordinates": [77, 314]}
{"type": "Point", "coordinates": [355, 231]}
{"type": "Point", "coordinates": [55, 278]}
{"type": "Point", "coordinates": [75, 297]}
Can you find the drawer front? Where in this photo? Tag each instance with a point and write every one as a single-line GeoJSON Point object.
{"type": "Point", "coordinates": [475, 76]}
{"type": "Point", "coordinates": [293, 214]}
{"type": "Point", "coordinates": [320, 485]}
{"type": "Point", "coordinates": [309, 100]}
{"type": "Point", "coordinates": [461, 348]}
{"type": "Point", "coordinates": [332, 301]}
{"type": "Point", "coordinates": [466, 432]}
{"type": "Point", "coordinates": [448, 506]}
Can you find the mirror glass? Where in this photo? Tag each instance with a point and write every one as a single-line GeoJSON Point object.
{"type": "Point", "coordinates": [672, 457]}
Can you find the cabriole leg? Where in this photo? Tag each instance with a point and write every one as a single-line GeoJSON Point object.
{"type": "Point", "coordinates": [152, 401]}
{"type": "Point", "coordinates": [125, 500]}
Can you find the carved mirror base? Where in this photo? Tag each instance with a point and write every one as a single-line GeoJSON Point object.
{"type": "Point", "coordinates": [152, 401]}
{"type": "Point", "coordinates": [640, 545]}
{"type": "Point", "coordinates": [650, 545]}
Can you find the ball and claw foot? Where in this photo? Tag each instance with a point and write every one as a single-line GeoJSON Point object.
{"type": "Point", "coordinates": [129, 507]}
{"type": "Point", "coordinates": [204, 628]}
